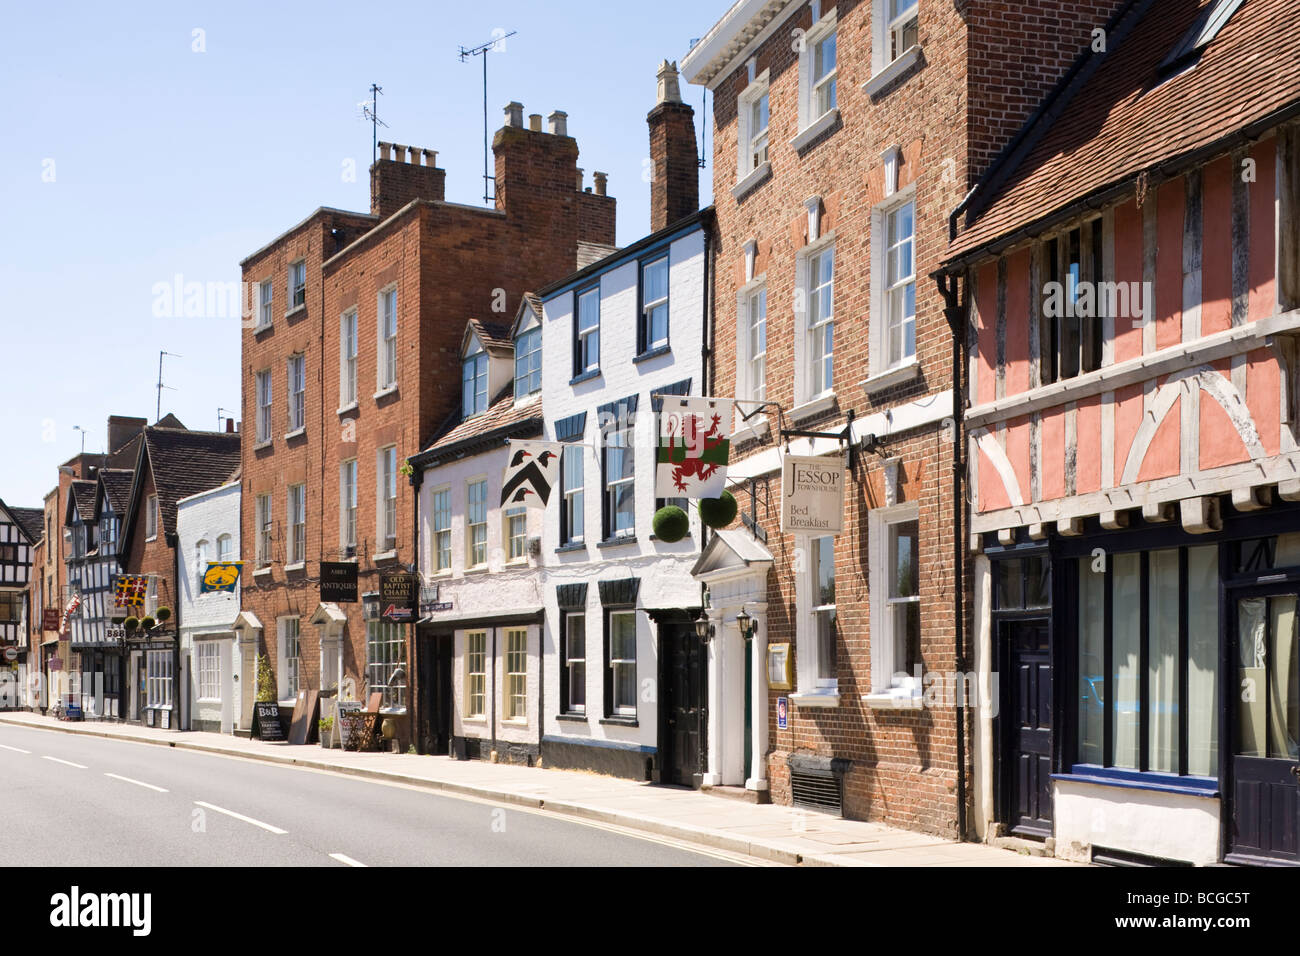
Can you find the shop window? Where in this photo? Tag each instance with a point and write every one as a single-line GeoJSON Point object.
{"type": "Point", "coordinates": [516, 689]}
{"type": "Point", "coordinates": [385, 656]}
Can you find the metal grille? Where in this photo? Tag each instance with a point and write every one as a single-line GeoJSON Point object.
{"type": "Point", "coordinates": [815, 790]}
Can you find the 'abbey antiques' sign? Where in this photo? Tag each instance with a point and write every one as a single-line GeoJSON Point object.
{"type": "Point", "coordinates": [812, 495]}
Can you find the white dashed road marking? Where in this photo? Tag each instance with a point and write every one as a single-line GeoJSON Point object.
{"type": "Point", "coordinates": [138, 783]}
{"type": "Point", "coordinates": [79, 766]}
{"type": "Point", "coordinates": [346, 860]}
{"type": "Point", "coordinates": [240, 816]}
{"type": "Point", "coordinates": [17, 750]}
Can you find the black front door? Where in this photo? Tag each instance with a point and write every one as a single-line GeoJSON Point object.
{"type": "Point", "coordinates": [435, 693]}
{"type": "Point", "coordinates": [1265, 761]}
{"type": "Point", "coordinates": [686, 731]}
{"type": "Point", "coordinates": [1026, 727]}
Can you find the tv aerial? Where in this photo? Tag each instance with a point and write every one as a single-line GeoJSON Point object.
{"type": "Point", "coordinates": [370, 113]}
{"type": "Point", "coordinates": [497, 43]}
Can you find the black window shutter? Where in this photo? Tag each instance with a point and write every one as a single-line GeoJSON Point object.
{"type": "Point", "coordinates": [607, 668]}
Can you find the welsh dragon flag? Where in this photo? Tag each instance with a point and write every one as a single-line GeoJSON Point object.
{"type": "Point", "coordinates": [694, 447]}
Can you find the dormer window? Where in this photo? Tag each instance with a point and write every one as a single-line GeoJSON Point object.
{"type": "Point", "coordinates": [528, 359]}
{"type": "Point", "coordinates": [474, 380]}
{"type": "Point", "coordinates": [1205, 28]}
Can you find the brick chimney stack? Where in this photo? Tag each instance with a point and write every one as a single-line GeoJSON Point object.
{"type": "Point", "coordinates": [396, 181]}
{"type": "Point", "coordinates": [675, 186]}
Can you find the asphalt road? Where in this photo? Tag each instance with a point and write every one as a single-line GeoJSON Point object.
{"type": "Point", "coordinates": [80, 801]}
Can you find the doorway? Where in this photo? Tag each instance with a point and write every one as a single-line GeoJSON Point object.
{"type": "Point", "coordinates": [685, 722]}
{"type": "Point", "coordinates": [1025, 717]}
{"type": "Point", "coordinates": [1264, 718]}
{"type": "Point", "coordinates": [434, 674]}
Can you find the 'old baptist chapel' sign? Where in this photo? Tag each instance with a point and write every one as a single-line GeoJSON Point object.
{"type": "Point", "coordinates": [812, 495]}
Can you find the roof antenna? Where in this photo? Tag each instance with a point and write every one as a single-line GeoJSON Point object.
{"type": "Point", "coordinates": [161, 386]}
{"type": "Point", "coordinates": [371, 113]}
{"type": "Point", "coordinates": [496, 45]}
{"type": "Point", "coordinates": [704, 121]}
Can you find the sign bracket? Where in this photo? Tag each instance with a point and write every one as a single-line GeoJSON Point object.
{"type": "Point", "coordinates": [845, 436]}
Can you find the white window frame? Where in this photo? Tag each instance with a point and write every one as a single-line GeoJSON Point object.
{"type": "Point", "coordinates": [813, 690]}
{"type": "Point", "coordinates": [474, 487]}
{"type": "Point", "coordinates": [583, 367]}
{"type": "Point", "coordinates": [289, 671]}
{"type": "Point", "coordinates": [570, 661]}
{"type": "Point", "coordinates": [815, 679]}
{"type": "Point", "coordinates": [617, 708]}
{"type": "Point", "coordinates": [880, 293]}
{"type": "Point", "coordinates": [158, 680]}
{"type": "Point", "coordinates": [531, 331]}
{"type": "Point", "coordinates": [264, 529]}
{"type": "Point", "coordinates": [570, 493]}
{"type": "Point", "coordinates": [806, 399]}
{"type": "Point", "coordinates": [265, 295]}
{"type": "Point", "coordinates": [476, 666]}
{"type": "Point", "coordinates": [386, 499]}
{"type": "Point", "coordinates": [885, 66]}
{"type": "Point", "coordinates": [265, 389]}
{"type": "Point", "coordinates": [386, 352]}
{"type": "Point", "coordinates": [474, 374]}
{"type": "Point", "coordinates": [297, 269]}
{"type": "Point", "coordinates": [515, 532]}
{"type": "Point", "coordinates": [623, 439]}
{"type": "Point", "coordinates": [385, 655]}
{"type": "Point", "coordinates": [201, 559]}
{"type": "Point", "coordinates": [296, 372]}
{"type": "Point", "coordinates": [746, 164]}
{"type": "Point", "coordinates": [225, 548]}
{"type": "Point", "coordinates": [348, 473]}
{"type": "Point", "coordinates": [349, 325]}
{"type": "Point", "coordinates": [295, 555]}
{"type": "Point", "coordinates": [648, 306]}
{"type": "Point", "coordinates": [151, 517]}
{"type": "Point", "coordinates": [441, 511]}
{"type": "Point", "coordinates": [207, 666]}
{"type": "Point", "coordinates": [514, 693]}
{"type": "Point", "coordinates": [885, 684]}
{"type": "Point", "coordinates": [813, 122]}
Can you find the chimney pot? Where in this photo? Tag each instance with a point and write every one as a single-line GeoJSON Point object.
{"type": "Point", "coordinates": [230, 426]}
{"type": "Point", "coordinates": [399, 152]}
{"type": "Point", "coordinates": [579, 179]}
{"type": "Point", "coordinates": [559, 123]}
{"type": "Point", "coordinates": [535, 122]}
{"type": "Point", "coordinates": [669, 89]}
{"type": "Point", "coordinates": [431, 157]}
{"type": "Point", "coordinates": [601, 179]}
{"type": "Point", "coordinates": [384, 150]}
{"type": "Point", "coordinates": [515, 114]}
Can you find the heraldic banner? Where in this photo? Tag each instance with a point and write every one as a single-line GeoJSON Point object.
{"type": "Point", "coordinates": [694, 447]}
{"type": "Point", "coordinates": [532, 472]}
{"type": "Point", "coordinates": [221, 576]}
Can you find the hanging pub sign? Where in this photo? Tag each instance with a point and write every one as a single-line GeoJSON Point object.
{"type": "Point", "coordinates": [399, 595]}
{"type": "Point", "coordinates": [338, 582]}
{"type": "Point", "coordinates": [129, 590]}
{"type": "Point", "coordinates": [812, 495]}
{"type": "Point", "coordinates": [220, 576]}
{"type": "Point", "coordinates": [531, 473]}
{"type": "Point", "coordinates": [694, 447]}
{"type": "Point", "coordinates": [50, 618]}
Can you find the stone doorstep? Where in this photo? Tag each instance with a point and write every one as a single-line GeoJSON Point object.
{"type": "Point", "coordinates": [738, 793]}
{"type": "Point", "coordinates": [1024, 846]}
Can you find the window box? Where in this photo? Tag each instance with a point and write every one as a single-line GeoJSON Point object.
{"type": "Point", "coordinates": [890, 377]}
{"type": "Point", "coordinates": [801, 141]}
{"type": "Point", "coordinates": [885, 77]}
{"type": "Point", "coordinates": [752, 180]}
{"type": "Point", "coordinates": [296, 310]}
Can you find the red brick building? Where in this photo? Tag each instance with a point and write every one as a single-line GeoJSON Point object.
{"type": "Point", "coordinates": [845, 134]}
{"type": "Point", "coordinates": [350, 364]}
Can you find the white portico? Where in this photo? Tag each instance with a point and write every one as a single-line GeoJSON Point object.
{"type": "Point", "coordinates": [734, 566]}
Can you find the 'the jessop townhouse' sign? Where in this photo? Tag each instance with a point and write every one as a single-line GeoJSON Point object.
{"type": "Point", "coordinates": [812, 495]}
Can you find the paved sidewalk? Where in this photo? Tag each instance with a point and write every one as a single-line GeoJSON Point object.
{"type": "Point", "coordinates": [781, 834]}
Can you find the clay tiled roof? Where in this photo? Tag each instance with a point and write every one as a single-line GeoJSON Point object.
{"type": "Point", "coordinates": [493, 337]}
{"type": "Point", "coordinates": [30, 520]}
{"type": "Point", "coordinates": [117, 487]}
{"type": "Point", "coordinates": [1119, 115]}
{"type": "Point", "coordinates": [183, 463]}
{"type": "Point", "coordinates": [83, 499]}
{"type": "Point", "coordinates": [503, 419]}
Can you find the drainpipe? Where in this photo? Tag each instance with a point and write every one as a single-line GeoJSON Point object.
{"type": "Point", "coordinates": [955, 312]}
{"type": "Point", "coordinates": [412, 680]}
{"type": "Point", "coordinates": [707, 368]}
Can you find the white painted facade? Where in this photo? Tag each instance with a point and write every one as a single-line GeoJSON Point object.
{"type": "Point", "coordinates": [208, 620]}
{"type": "Point", "coordinates": [663, 569]}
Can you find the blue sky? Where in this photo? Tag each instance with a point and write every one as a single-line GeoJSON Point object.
{"type": "Point", "coordinates": [131, 158]}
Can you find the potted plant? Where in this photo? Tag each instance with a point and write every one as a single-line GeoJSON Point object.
{"type": "Point", "coordinates": [164, 614]}
{"type": "Point", "coordinates": [325, 725]}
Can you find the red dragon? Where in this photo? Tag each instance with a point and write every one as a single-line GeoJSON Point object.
{"type": "Point", "coordinates": [695, 466]}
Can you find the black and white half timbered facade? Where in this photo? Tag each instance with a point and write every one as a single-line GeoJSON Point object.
{"type": "Point", "coordinates": [19, 530]}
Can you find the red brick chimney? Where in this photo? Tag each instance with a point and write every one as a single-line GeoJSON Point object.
{"type": "Point", "coordinates": [395, 181]}
{"type": "Point", "coordinates": [675, 186]}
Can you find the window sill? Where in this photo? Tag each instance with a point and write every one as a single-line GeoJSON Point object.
{"type": "Point", "coordinates": [152, 537]}
{"type": "Point", "coordinates": [264, 444]}
{"type": "Point", "coordinates": [815, 406]}
{"type": "Point", "coordinates": [480, 719]}
{"type": "Point", "coordinates": [572, 718]}
{"type": "Point", "coordinates": [570, 548]}
{"type": "Point", "coordinates": [620, 721]}
{"type": "Point", "coordinates": [652, 354]}
{"type": "Point", "coordinates": [815, 129]}
{"type": "Point", "coordinates": [1140, 780]}
{"type": "Point", "coordinates": [906, 60]}
{"type": "Point", "coordinates": [890, 377]}
{"type": "Point", "coordinates": [816, 699]}
{"type": "Point", "coordinates": [385, 392]}
{"type": "Point", "coordinates": [477, 569]}
{"type": "Point", "coordinates": [754, 430]}
{"type": "Point", "coordinates": [585, 377]}
{"type": "Point", "coordinates": [616, 542]}
{"type": "Point", "coordinates": [752, 180]}
{"type": "Point", "coordinates": [351, 560]}
{"type": "Point", "coordinates": [517, 563]}
{"type": "Point", "coordinates": [884, 700]}
{"type": "Point", "coordinates": [302, 307]}
{"type": "Point", "coordinates": [259, 329]}
{"type": "Point", "coordinates": [384, 556]}
{"type": "Point", "coordinates": [263, 572]}
{"type": "Point", "coordinates": [286, 702]}
{"type": "Point", "coordinates": [299, 566]}
{"type": "Point", "coordinates": [351, 406]}
{"type": "Point", "coordinates": [296, 433]}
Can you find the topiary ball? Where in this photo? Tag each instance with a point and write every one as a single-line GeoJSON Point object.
{"type": "Point", "coordinates": [164, 613]}
{"type": "Point", "coordinates": [718, 512]}
{"type": "Point", "coordinates": [131, 623]}
{"type": "Point", "coordinates": [148, 623]}
{"type": "Point", "coordinates": [671, 524]}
